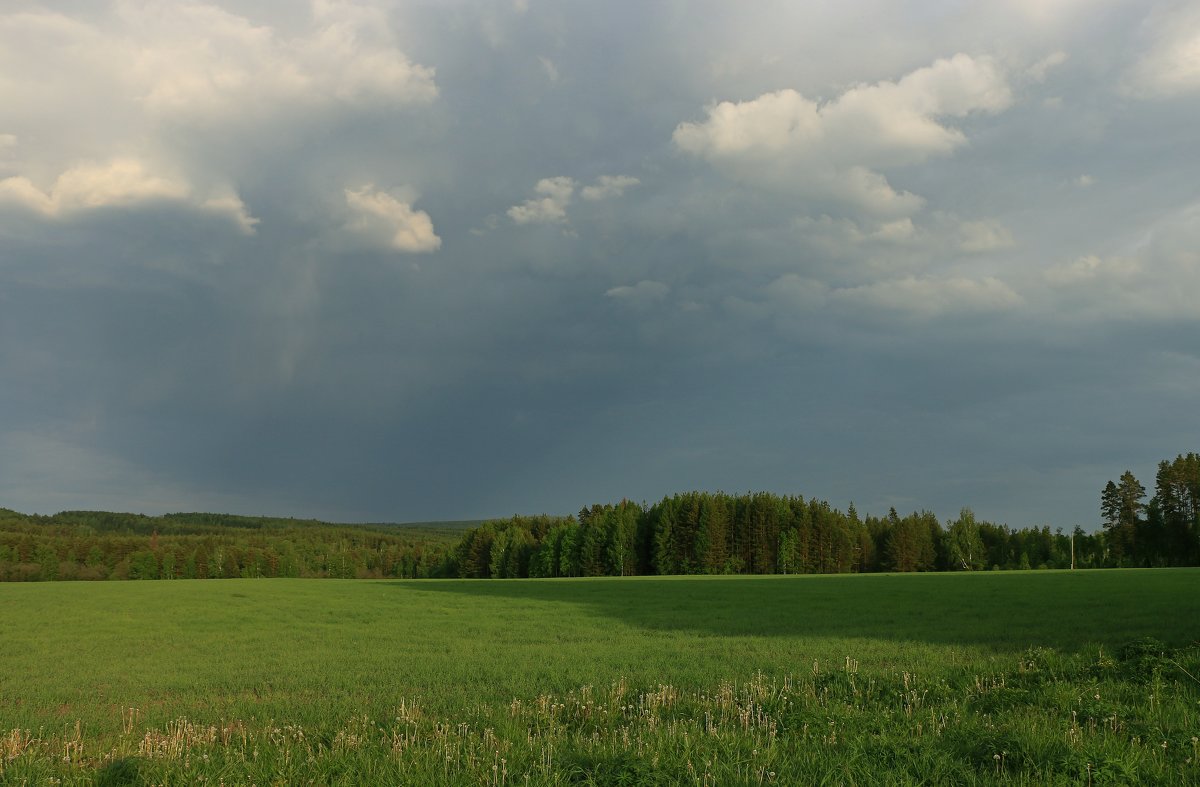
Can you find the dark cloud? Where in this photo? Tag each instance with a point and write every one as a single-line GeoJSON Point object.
{"type": "Point", "coordinates": [1009, 339]}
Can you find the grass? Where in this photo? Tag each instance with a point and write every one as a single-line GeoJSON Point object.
{"type": "Point", "coordinates": [993, 677]}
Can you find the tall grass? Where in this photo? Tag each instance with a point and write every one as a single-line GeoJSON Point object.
{"type": "Point", "coordinates": [1026, 678]}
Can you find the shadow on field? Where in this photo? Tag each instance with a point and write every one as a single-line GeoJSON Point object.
{"type": "Point", "coordinates": [1003, 610]}
{"type": "Point", "coordinates": [119, 773]}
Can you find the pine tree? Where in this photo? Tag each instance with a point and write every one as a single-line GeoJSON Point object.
{"type": "Point", "coordinates": [1177, 493]}
{"type": "Point", "coordinates": [1121, 506]}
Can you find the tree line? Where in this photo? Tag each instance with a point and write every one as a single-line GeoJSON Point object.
{"type": "Point", "coordinates": [690, 533]}
{"type": "Point", "coordinates": [1164, 531]}
{"type": "Point", "coordinates": [716, 533]}
{"type": "Point", "coordinates": [96, 545]}
{"type": "Point", "coordinates": [762, 533]}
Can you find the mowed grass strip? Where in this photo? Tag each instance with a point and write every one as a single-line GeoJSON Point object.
{"type": "Point", "coordinates": [1003, 658]}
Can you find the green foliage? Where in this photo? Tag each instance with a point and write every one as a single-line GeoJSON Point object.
{"type": "Point", "coordinates": [690, 533]}
{"type": "Point", "coordinates": [1163, 532]}
{"type": "Point", "coordinates": [1177, 502]}
{"type": "Point", "coordinates": [910, 544]}
{"type": "Point", "coordinates": [966, 545]}
{"type": "Point", "coordinates": [143, 565]}
{"type": "Point", "coordinates": [1121, 506]}
{"type": "Point", "coordinates": [761, 533]}
{"type": "Point", "coordinates": [1145, 658]}
{"type": "Point", "coordinates": [93, 545]}
{"type": "Point", "coordinates": [707, 533]}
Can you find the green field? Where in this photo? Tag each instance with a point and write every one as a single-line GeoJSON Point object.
{"type": "Point", "coordinates": [1022, 677]}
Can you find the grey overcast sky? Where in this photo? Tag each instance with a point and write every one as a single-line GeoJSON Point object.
{"type": "Point", "coordinates": [438, 259]}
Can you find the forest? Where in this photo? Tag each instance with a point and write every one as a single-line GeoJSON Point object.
{"type": "Point", "coordinates": [95, 545]}
{"type": "Point", "coordinates": [689, 533]}
{"type": "Point", "coordinates": [715, 533]}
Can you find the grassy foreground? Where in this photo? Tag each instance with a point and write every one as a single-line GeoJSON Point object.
{"type": "Point", "coordinates": [1025, 677]}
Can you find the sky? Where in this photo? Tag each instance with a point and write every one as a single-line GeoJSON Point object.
{"type": "Point", "coordinates": [447, 259]}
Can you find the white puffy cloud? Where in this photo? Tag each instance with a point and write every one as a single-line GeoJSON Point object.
{"type": "Point", "coordinates": [1091, 267]}
{"type": "Point", "coordinates": [1158, 279]}
{"type": "Point", "coordinates": [550, 207]}
{"type": "Point", "coordinates": [607, 186]}
{"type": "Point", "coordinates": [833, 149]}
{"type": "Point", "coordinates": [898, 231]}
{"type": "Point", "coordinates": [930, 296]}
{"type": "Point", "coordinates": [938, 235]}
{"type": "Point", "coordinates": [1154, 279]}
{"type": "Point", "coordinates": [152, 100]}
{"type": "Point", "coordinates": [644, 293]}
{"type": "Point", "coordinates": [121, 182]}
{"type": "Point", "coordinates": [155, 60]}
{"type": "Point", "coordinates": [1039, 70]}
{"type": "Point", "coordinates": [834, 237]}
{"type": "Point", "coordinates": [1120, 287]}
{"type": "Point", "coordinates": [556, 195]}
{"type": "Point", "coordinates": [915, 296]}
{"type": "Point", "coordinates": [200, 60]}
{"type": "Point", "coordinates": [1170, 64]}
{"type": "Point", "coordinates": [983, 236]}
{"type": "Point", "coordinates": [231, 205]}
{"type": "Point", "coordinates": [389, 221]}
{"type": "Point", "coordinates": [881, 124]}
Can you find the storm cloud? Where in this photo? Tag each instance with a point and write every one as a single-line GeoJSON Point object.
{"type": "Point", "coordinates": [399, 260]}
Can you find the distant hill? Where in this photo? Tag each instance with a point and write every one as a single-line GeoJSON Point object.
{"type": "Point", "coordinates": [199, 523]}
{"type": "Point", "coordinates": [187, 545]}
{"type": "Point", "coordinates": [456, 525]}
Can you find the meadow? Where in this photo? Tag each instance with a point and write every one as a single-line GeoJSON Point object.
{"type": "Point", "coordinates": [974, 677]}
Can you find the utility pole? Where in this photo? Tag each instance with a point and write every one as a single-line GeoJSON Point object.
{"type": "Point", "coordinates": [1073, 549]}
